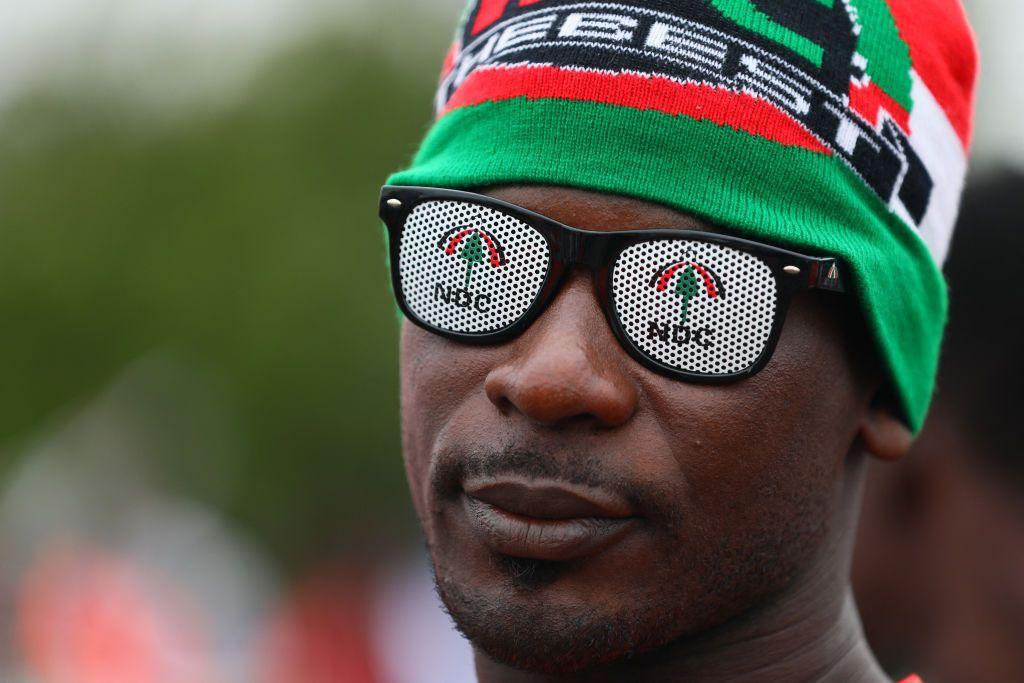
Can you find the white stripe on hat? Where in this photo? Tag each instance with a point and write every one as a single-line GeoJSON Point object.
{"type": "Point", "coordinates": [942, 153]}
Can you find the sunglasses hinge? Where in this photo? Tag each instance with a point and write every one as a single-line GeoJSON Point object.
{"type": "Point", "coordinates": [825, 274]}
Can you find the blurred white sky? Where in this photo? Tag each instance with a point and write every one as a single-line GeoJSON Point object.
{"type": "Point", "coordinates": [168, 52]}
{"type": "Point", "coordinates": [41, 37]}
{"type": "Point", "coordinates": [213, 42]}
{"type": "Point", "coordinates": [999, 127]}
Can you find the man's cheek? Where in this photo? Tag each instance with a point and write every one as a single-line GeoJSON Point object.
{"type": "Point", "coordinates": [439, 381]}
{"type": "Point", "coordinates": [417, 409]}
{"type": "Point", "coordinates": [414, 457]}
{"type": "Point", "coordinates": [425, 402]}
{"type": "Point", "coordinates": [438, 375]}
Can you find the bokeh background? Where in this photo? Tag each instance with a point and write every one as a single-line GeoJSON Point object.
{"type": "Point", "coordinates": [200, 475]}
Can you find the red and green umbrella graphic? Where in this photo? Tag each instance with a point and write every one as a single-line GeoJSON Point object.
{"type": "Point", "coordinates": [690, 279]}
{"type": "Point", "coordinates": [474, 246]}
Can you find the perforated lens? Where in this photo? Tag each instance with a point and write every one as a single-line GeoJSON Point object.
{"type": "Point", "coordinates": [695, 306]}
{"type": "Point", "coordinates": [469, 268]}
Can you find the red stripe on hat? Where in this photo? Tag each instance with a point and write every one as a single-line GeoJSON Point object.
{"type": "Point", "coordinates": [700, 101]}
{"type": "Point", "coordinates": [944, 53]}
{"type": "Point", "coordinates": [487, 13]}
{"type": "Point", "coordinates": [870, 99]}
{"type": "Point", "coordinates": [491, 10]}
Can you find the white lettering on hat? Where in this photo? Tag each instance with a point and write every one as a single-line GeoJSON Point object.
{"type": "Point", "coordinates": [525, 32]}
{"type": "Point", "coordinates": [613, 27]}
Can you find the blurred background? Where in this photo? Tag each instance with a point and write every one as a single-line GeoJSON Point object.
{"type": "Point", "coordinates": [200, 475]}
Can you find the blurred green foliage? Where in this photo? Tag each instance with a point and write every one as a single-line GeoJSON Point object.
{"type": "Point", "coordinates": [247, 241]}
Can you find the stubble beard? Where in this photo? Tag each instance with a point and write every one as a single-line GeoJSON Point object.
{"type": "Point", "coordinates": [675, 602]}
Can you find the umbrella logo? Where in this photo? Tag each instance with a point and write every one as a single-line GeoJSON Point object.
{"type": "Point", "coordinates": [474, 246]}
{"type": "Point", "coordinates": [687, 279]}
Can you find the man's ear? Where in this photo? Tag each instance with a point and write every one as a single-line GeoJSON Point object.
{"type": "Point", "coordinates": [884, 435]}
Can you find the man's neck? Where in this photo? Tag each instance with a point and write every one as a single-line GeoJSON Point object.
{"type": "Point", "coordinates": [798, 638]}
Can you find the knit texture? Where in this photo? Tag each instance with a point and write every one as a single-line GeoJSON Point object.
{"type": "Point", "coordinates": [838, 127]}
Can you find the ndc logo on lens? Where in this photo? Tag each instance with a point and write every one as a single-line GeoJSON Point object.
{"type": "Point", "coordinates": [479, 249]}
{"type": "Point", "coordinates": [685, 280]}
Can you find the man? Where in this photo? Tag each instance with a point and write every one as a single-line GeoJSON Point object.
{"type": "Point", "coordinates": [637, 454]}
{"type": "Point", "coordinates": [939, 567]}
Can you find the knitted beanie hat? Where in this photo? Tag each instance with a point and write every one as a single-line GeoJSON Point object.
{"type": "Point", "coordinates": [839, 127]}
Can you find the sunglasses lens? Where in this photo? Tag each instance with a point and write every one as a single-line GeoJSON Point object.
{"type": "Point", "coordinates": [467, 268]}
{"type": "Point", "coordinates": [698, 307]}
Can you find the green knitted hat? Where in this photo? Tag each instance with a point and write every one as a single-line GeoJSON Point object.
{"type": "Point", "coordinates": [839, 127]}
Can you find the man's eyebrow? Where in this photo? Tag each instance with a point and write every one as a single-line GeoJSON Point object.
{"type": "Point", "coordinates": [670, 222]}
{"type": "Point", "coordinates": [685, 223]}
{"type": "Point", "coordinates": [666, 220]}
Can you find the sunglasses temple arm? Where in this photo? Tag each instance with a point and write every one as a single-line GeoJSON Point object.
{"type": "Point", "coordinates": [825, 274]}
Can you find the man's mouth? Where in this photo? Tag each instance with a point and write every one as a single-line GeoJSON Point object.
{"type": "Point", "coordinates": [545, 519]}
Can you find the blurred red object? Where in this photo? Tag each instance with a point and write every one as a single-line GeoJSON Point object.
{"type": "Point", "coordinates": [321, 634]}
{"type": "Point", "coordinates": [85, 615]}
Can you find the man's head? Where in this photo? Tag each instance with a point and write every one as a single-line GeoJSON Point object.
{"type": "Point", "coordinates": [580, 506]}
{"type": "Point", "coordinates": [733, 490]}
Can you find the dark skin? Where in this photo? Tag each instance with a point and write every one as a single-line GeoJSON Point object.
{"type": "Point", "coordinates": [745, 495]}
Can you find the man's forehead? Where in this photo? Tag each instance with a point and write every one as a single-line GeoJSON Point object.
{"type": "Point", "coordinates": [592, 210]}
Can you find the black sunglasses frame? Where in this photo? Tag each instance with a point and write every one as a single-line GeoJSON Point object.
{"type": "Point", "coordinates": [598, 251]}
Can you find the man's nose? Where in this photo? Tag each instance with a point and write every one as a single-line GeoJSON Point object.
{"type": "Point", "coordinates": [567, 365]}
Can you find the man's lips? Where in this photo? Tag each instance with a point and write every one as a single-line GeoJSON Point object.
{"type": "Point", "coordinates": [545, 520]}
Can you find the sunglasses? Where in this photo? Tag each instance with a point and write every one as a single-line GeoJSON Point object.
{"type": "Point", "coordinates": [692, 305]}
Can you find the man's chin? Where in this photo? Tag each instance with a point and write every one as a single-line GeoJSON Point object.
{"type": "Point", "coordinates": [524, 625]}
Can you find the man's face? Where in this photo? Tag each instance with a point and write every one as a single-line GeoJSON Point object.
{"type": "Point", "coordinates": [668, 507]}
